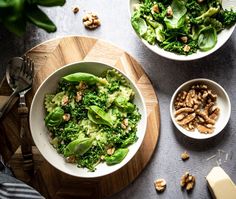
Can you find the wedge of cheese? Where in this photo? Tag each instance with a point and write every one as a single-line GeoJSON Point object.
{"type": "Point", "coordinates": [220, 184]}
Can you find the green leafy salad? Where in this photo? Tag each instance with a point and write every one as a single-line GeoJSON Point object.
{"type": "Point", "coordinates": [92, 119]}
{"type": "Point", "coordinates": [181, 26]}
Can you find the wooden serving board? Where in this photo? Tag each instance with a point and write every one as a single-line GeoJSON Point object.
{"type": "Point", "coordinates": [50, 182]}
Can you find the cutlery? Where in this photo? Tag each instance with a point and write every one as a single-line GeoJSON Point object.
{"type": "Point", "coordinates": [17, 62]}
{"type": "Point", "coordinates": [20, 79]}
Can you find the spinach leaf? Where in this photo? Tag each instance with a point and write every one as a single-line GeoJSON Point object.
{"type": "Point", "coordinates": [207, 38]}
{"type": "Point", "coordinates": [47, 3]}
{"type": "Point", "coordinates": [78, 147]}
{"type": "Point", "coordinates": [179, 13]}
{"type": "Point", "coordinates": [40, 19]}
{"type": "Point", "coordinates": [54, 118]}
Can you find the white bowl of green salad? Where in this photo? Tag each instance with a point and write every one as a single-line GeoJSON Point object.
{"type": "Point", "coordinates": [88, 119]}
{"type": "Point", "coordinates": [183, 30]}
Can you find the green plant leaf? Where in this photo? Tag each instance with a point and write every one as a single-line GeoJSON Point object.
{"type": "Point", "coordinates": [179, 11]}
{"type": "Point", "coordinates": [17, 26]}
{"type": "Point", "coordinates": [207, 38]}
{"type": "Point", "coordinates": [40, 19]}
{"type": "Point", "coordinates": [47, 3]}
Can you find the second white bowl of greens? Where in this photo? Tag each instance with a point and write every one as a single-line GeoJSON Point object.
{"type": "Point", "coordinates": [183, 30]}
{"type": "Point", "coordinates": [88, 119]}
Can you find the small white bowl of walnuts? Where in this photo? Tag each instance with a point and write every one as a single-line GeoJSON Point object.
{"type": "Point", "coordinates": [200, 108]}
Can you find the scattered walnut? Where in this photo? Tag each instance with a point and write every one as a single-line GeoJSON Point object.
{"type": "Point", "coordinates": [82, 86]}
{"type": "Point", "coordinates": [197, 109]}
{"type": "Point", "coordinates": [169, 12]}
{"type": "Point", "coordinates": [66, 117]}
{"type": "Point", "coordinates": [78, 96]}
{"type": "Point", "coordinates": [65, 100]}
{"type": "Point", "coordinates": [185, 156]}
{"type": "Point", "coordinates": [110, 151]}
{"type": "Point", "coordinates": [187, 181]}
{"type": "Point", "coordinates": [91, 21]}
{"type": "Point", "coordinates": [186, 48]}
{"type": "Point", "coordinates": [75, 9]}
{"type": "Point", "coordinates": [155, 8]}
{"type": "Point", "coordinates": [184, 39]}
{"type": "Point", "coordinates": [70, 159]}
{"type": "Point", "coordinates": [160, 184]}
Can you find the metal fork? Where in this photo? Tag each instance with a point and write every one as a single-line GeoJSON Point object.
{"type": "Point", "coordinates": [26, 76]}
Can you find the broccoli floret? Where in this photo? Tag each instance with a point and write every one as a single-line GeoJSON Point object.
{"type": "Point", "coordinates": [227, 17]}
{"type": "Point", "coordinates": [214, 23]}
{"type": "Point", "coordinates": [193, 8]}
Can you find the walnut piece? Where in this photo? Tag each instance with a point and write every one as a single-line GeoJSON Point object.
{"type": "Point", "coordinates": [185, 156]}
{"type": "Point", "coordinates": [196, 108]}
{"type": "Point", "coordinates": [187, 181]}
{"type": "Point", "coordinates": [169, 12]}
{"type": "Point", "coordinates": [110, 151]}
{"type": "Point", "coordinates": [91, 21]}
{"type": "Point", "coordinates": [155, 8]}
{"type": "Point", "coordinates": [186, 48]}
{"type": "Point", "coordinates": [75, 9]}
{"type": "Point", "coordinates": [160, 184]}
{"type": "Point", "coordinates": [66, 117]}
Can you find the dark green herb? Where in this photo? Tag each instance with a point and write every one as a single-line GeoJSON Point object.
{"type": "Point", "coordinates": [14, 14]}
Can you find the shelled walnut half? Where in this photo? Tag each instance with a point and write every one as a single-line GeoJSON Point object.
{"type": "Point", "coordinates": [197, 108]}
{"type": "Point", "coordinates": [91, 21]}
{"type": "Point", "coordinates": [187, 181]}
{"type": "Point", "coordinates": [160, 184]}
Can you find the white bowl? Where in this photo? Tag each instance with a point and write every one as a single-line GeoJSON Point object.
{"type": "Point", "coordinates": [40, 133]}
{"type": "Point", "coordinates": [222, 37]}
{"type": "Point", "coordinates": [223, 102]}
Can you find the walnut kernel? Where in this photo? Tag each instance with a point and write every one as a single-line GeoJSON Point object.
{"type": "Point", "coordinates": [91, 21]}
{"type": "Point", "coordinates": [187, 181]}
{"type": "Point", "coordinates": [160, 184]}
{"type": "Point", "coordinates": [185, 156]}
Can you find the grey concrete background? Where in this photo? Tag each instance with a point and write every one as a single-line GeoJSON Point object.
{"type": "Point", "coordinates": [166, 76]}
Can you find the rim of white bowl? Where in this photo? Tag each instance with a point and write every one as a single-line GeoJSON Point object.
{"type": "Point", "coordinates": [173, 56]}
{"type": "Point", "coordinates": [208, 82]}
{"type": "Point", "coordinates": [125, 161]}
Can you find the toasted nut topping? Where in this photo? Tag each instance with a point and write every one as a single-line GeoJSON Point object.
{"type": "Point", "coordinates": [75, 9]}
{"type": "Point", "coordinates": [160, 184]}
{"type": "Point", "coordinates": [197, 109]}
{"type": "Point", "coordinates": [187, 181]}
{"type": "Point", "coordinates": [186, 48]}
{"type": "Point", "coordinates": [169, 12]}
{"type": "Point", "coordinates": [65, 100]}
{"type": "Point", "coordinates": [110, 151]}
{"type": "Point", "coordinates": [185, 156]}
{"type": "Point", "coordinates": [184, 39]}
{"type": "Point", "coordinates": [78, 96]}
{"type": "Point", "coordinates": [91, 21]}
{"type": "Point", "coordinates": [66, 117]}
{"type": "Point", "coordinates": [155, 8]}
{"type": "Point", "coordinates": [70, 159]}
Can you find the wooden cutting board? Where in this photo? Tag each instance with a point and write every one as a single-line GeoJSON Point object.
{"type": "Point", "coordinates": [50, 182]}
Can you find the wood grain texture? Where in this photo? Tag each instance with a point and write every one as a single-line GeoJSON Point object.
{"type": "Point", "coordinates": [54, 54]}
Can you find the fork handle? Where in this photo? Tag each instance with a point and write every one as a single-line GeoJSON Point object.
{"type": "Point", "coordinates": [26, 147]}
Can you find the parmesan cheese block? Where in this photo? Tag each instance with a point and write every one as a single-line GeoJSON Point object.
{"type": "Point", "coordinates": [220, 184]}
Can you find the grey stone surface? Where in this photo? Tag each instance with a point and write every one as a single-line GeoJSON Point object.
{"type": "Point", "coordinates": [166, 76]}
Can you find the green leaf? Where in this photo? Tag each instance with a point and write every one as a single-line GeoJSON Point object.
{"type": "Point", "coordinates": [207, 38]}
{"type": "Point", "coordinates": [55, 117]}
{"type": "Point", "coordinates": [179, 13]}
{"type": "Point", "coordinates": [47, 3]}
{"type": "Point", "coordinates": [139, 24]}
{"type": "Point", "coordinates": [78, 147]}
{"type": "Point", "coordinates": [117, 157]}
{"type": "Point", "coordinates": [40, 19]}
{"type": "Point", "coordinates": [17, 26]}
